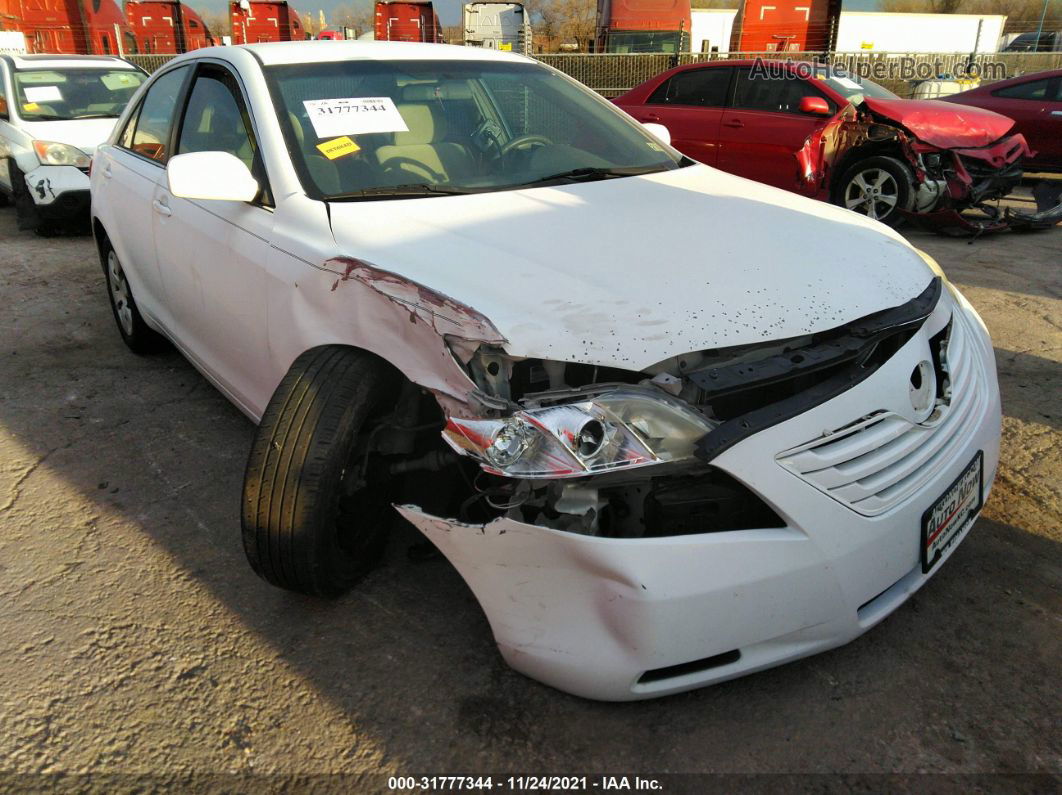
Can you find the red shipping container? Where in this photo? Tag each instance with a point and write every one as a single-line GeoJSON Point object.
{"type": "Point", "coordinates": [405, 21]}
{"type": "Point", "coordinates": [786, 26]}
{"type": "Point", "coordinates": [166, 26]}
{"type": "Point", "coordinates": [254, 22]}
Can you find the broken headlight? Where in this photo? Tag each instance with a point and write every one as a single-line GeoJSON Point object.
{"type": "Point", "coordinates": [618, 429]}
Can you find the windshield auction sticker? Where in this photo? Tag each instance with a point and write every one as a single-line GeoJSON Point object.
{"type": "Point", "coordinates": [333, 118]}
{"type": "Point", "coordinates": [43, 93]}
{"type": "Point", "coordinates": [338, 147]}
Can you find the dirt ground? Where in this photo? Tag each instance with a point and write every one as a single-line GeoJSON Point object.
{"type": "Point", "coordinates": [135, 640]}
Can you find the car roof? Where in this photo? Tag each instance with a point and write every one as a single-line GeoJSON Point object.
{"type": "Point", "coordinates": [67, 62]}
{"type": "Point", "coordinates": [295, 52]}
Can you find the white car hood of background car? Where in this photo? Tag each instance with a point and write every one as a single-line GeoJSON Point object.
{"type": "Point", "coordinates": [85, 134]}
{"type": "Point", "coordinates": [628, 272]}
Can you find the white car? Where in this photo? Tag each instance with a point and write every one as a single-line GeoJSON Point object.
{"type": "Point", "coordinates": [54, 111]}
{"type": "Point", "coordinates": [671, 426]}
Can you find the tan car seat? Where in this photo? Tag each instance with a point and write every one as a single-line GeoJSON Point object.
{"type": "Point", "coordinates": [423, 153]}
{"type": "Point", "coordinates": [323, 170]}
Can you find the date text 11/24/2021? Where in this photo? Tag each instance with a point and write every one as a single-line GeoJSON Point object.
{"type": "Point", "coordinates": [523, 783]}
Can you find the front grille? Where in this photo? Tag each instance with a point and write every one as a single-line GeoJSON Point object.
{"type": "Point", "coordinates": [879, 461]}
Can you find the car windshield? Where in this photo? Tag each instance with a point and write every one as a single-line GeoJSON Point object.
{"type": "Point", "coordinates": [65, 94]}
{"type": "Point", "coordinates": [851, 87]}
{"type": "Point", "coordinates": [360, 129]}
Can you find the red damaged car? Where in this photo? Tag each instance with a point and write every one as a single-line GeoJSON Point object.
{"type": "Point", "coordinates": [1034, 101]}
{"type": "Point", "coordinates": [812, 129]}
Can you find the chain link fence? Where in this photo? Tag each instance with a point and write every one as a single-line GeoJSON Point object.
{"type": "Point", "coordinates": [613, 74]}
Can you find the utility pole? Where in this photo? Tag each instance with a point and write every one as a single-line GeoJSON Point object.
{"type": "Point", "coordinates": [1040, 27]}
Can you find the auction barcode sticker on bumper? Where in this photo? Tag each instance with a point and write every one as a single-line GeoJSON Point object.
{"type": "Point", "coordinates": [332, 118]}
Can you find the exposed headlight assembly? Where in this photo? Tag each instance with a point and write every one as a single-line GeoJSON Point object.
{"type": "Point", "coordinates": [51, 153]}
{"type": "Point", "coordinates": [615, 430]}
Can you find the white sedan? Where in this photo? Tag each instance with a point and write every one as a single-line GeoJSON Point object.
{"type": "Point", "coordinates": [671, 426]}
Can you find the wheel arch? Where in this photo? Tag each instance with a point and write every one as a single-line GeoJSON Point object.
{"type": "Point", "coordinates": [865, 151]}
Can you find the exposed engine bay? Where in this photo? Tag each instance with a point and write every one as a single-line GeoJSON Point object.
{"type": "Point", "coordinates": [615, 453]}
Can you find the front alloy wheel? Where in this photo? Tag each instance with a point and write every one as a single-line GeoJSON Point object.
{"type": "Point", "coordinates": [878, 187]}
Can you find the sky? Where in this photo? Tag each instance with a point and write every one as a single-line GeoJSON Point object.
{"type": "Point", "coordinates": [449, 10]}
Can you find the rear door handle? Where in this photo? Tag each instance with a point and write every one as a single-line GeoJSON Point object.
{"type": "Point", "coordinates": [107, 171]}
{"type": "Point", "coordinates": [734, 123]}
{"type": "Point", "coordinates": [161, 208]}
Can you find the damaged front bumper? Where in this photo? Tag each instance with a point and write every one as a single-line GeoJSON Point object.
{"type": "Point", "coordinates": [628, 618]}
{"type": "Point", "coordinates": [948, 182]}
{"type": "Point", "coordinates": [59, 192]}
{"type": "Point", "coordinates": [966, 179]}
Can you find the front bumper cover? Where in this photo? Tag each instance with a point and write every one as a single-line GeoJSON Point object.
{"type": "Point", "coordinates": [622, 619]}
{"type": "Point", "coordinates": [59, 191]}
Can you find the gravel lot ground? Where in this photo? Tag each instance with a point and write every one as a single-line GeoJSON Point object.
{"type": "Point", "coordinates": [134, 639]}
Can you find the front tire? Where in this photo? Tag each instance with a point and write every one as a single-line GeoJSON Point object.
{"type": "Point", "coordinates": [878, 187]}
{"type": "Point", "coordinates": [310, 524]}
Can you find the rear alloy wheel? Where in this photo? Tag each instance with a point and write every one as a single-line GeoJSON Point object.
{"type": "Point", "coordinates": [315, 508]}
{"type": "Point", "coordinates": [136, 334]}
{"type": "Point", "coordinates": [878, 187]}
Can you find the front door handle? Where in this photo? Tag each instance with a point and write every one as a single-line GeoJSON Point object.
{"type": "Point", "coordinates": [107, 171]}
{"type": "Point", "coordinates": [651, 117]}
{"type": "Point", "coordinates": [737, 123]}
{"type": "Point", "coordinates": [1056, 113]}
{"type": "Point", "coordinates": [161, 208]}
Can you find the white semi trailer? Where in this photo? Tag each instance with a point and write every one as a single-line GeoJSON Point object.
{"type": "Point", "coordinates": [497, 26]}
{"type": "Point", "coordinates": [874, 31]}
{"type": "Point", "coordinates": [885, 32]}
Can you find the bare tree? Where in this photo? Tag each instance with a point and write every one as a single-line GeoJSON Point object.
{"type": "Point", "coordinates": [218, 22]}
{"type": "Point", "coordinates": [577, 21]}
{"type": "Point", "coordinates": [354, 15]}
{"type": "Point", "coordinates": [557, 22]}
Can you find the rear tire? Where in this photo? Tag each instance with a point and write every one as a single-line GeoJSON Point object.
{"type": "Point", "coordinates": [877, 187]}
{"type": "Point", "coordinates": [309, 524]}
{"type": "Point", "coordinates": [136, 334]}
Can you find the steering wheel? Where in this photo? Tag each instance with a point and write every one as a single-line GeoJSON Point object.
{"type": "Point", "coordinates": [524, 141]}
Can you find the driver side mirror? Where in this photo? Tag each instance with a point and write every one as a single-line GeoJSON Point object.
{"type": "Point", "coordinates": [816, 106]}
{"type": "Point", "coordinates": [215, 176]}
{"type": "Point", "coordinates": [658, 131]}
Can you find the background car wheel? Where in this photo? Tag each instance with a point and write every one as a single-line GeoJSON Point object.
{"type": "Point", "coordinates": [314, 516]}
{"type": "Point", "coordinates": [877, 187]}
{"type": "Point", "coordinates": [135, 332]}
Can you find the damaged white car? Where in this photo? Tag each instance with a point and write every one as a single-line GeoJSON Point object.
{"type": "Point", "coordinates": [54, 111]}
{"type": "Point", "coordinates": [671, 426]}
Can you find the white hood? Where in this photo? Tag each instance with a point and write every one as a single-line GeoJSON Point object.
{"type": "Point", "coordinates": [85, 134]}
{"type": "Point", "coordinates": [629, 272]}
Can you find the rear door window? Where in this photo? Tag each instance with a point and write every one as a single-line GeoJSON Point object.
{"type": "Point", "coordinates": [697, 87]}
